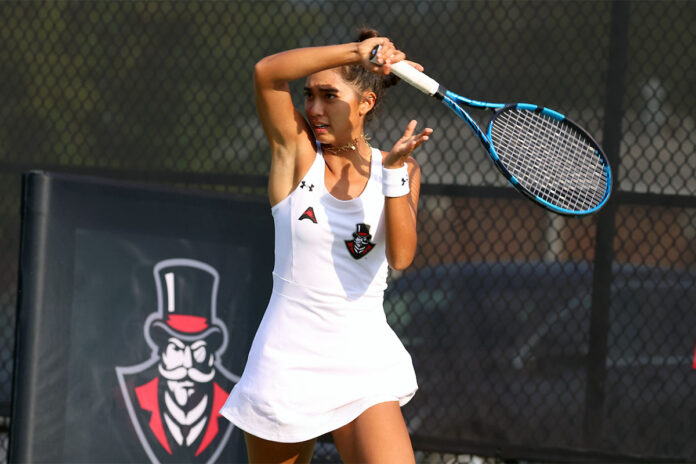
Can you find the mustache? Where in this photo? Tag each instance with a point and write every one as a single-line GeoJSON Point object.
{"type": "Point", "coordinates": [179, 373]}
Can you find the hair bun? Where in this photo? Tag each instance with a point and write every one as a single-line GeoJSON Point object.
{"type": "Point", "coordinates": [367, 33]}
{"type": "Point", "coordinates": [390, 80]}
{"type": "Point", "coordinates": [363, 79]}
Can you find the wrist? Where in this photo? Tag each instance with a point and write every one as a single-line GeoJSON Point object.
{"type": "Point", "coordinates": [395, 182]}
{"type": "Point", "coordinates": [356, 56]}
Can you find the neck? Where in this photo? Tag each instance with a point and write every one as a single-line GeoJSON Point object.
{"type": "Point", "coordinates": [354, 145]}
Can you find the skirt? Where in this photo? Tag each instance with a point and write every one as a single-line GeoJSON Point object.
{"type": "Point", "coordinates": [316, 363]}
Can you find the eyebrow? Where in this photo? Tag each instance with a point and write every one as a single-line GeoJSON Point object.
{"type": "Point", "coordinates": [323, 88]}
{"type": "Point", "coordinates": [177, 342]}
{"type": "Point", "coordinates": [198, 344]}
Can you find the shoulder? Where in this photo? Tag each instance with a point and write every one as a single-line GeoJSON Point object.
{"type": "Point", "coordinates": [288, 166]}
{"type": "Point", "coordinates": [303, 144]}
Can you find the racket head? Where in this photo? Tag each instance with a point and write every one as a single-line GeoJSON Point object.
{"type": "Point", "coordinates": [550, 159]}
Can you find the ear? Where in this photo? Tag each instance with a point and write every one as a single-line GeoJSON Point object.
{"type": "Point", "coordinates": [367, 102]}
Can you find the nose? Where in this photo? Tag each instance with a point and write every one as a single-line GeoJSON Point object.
{"type": "Point", "coordinates": [313, 107]}
{"type": "Point", "coordinates": [188, 357]}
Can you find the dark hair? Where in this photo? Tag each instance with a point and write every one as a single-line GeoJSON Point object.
{"type": "Point", "coordinates": [365, 80]}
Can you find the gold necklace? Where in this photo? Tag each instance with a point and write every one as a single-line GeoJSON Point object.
{"type": "Point", "coordinates": [353, 145]}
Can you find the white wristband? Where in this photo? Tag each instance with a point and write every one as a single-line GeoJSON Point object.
{"type": "Point", "coordinates": [395, 181]}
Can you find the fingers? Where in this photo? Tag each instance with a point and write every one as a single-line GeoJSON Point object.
{"type": "Point", "coordinates": [387, 54]}
{"type": "Point", "coordinates": [410, 129]}
{"type": "Point", "coordinates": [423, 137]}
{"type": "Point", "coordinates": [405, 145]}
{"type": "Point", "coordinates": [410, 142]}
{"type": "Point", "coordinates": [418, 66]}
{"type": "Point", "coordinates": [393, 56]}
{"type": "Point", "coordinates": [417, 139]}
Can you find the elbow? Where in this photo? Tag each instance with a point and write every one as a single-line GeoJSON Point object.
{"type": "Point", "coordinates": [260, 70]}
{"type": "Point", "coordinates": [399, 266]}
{"type": "Point", "coordinates": [399, 262]}
{"type": "Point", "coordinates": [265, 71]}
{"type": "Point", "coordinates": [401, 251]}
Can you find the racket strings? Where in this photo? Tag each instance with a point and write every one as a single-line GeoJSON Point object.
{"type": "Point", "coordinates": [550, 159]}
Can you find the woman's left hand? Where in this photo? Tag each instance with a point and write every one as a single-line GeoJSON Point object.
{"type": "Point", "coordinates": [387, 54]}
{"type": "Point", "coordinates": [405, 145]}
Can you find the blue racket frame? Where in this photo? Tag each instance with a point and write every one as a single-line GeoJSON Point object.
{"type": "Point", "coordinates": [452, 101]}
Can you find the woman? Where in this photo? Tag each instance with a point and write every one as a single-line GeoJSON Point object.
{"type": "Point", "coordinates": [324, 359]}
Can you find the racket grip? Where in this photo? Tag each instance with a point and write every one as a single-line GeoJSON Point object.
{"type": "Point", "coordinates": [419, 80]}
{"type": "Point", "coordinates": [408, 73]}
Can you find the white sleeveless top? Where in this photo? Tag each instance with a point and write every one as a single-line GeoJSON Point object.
{"type": "Point", "coordinates": [324, 351]}
{"type": "Point", "coordinates": [330, 245]}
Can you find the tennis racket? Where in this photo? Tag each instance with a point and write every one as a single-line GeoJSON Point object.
{"type": "Point", "coordinates": [544, 155]}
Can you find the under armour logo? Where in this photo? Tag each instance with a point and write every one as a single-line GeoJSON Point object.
{"type": "Point", "coordinates": [303, 184]}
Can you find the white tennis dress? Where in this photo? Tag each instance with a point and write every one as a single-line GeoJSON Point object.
{"type": "Point", "coordinates": [323, 352]}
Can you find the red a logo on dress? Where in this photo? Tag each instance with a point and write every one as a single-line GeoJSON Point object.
{"type": "Point", "coordinates": [309, 214]}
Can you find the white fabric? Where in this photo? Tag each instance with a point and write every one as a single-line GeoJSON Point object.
{"type": "Point", "coordinates": [324, 351]}
{"type": "Point", "coordinates": [395, 181]}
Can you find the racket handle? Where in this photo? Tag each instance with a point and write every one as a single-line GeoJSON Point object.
{"type": "Point", "coordinates": [408, 73]}
{"type": "Point", "coordinates": [419, 80]}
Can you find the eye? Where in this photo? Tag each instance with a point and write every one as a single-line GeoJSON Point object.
{"type": "Point", "coordinates": [200, 354]}
{"type": "Point", "coordinates": [173, 356]}
{"type": "Point", "coordinates": [174, 349]}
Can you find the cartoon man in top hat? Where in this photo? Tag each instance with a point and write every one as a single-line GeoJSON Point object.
{"type": "Point", "coordinates": [173, 399]}
{"type": "Point", "coordinates": [361, 243]}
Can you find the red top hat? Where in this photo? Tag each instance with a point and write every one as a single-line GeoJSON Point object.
{"type": "Point", "coordinates": [362, 230]}
{"type": "Point", "coordinates": [187, 296]}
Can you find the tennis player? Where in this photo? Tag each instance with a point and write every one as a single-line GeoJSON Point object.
{"type": "Point", "coordinates": [324, 358]}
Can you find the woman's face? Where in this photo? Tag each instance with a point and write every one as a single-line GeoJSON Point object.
{"type": "Point", "coordinates": [334, 108]}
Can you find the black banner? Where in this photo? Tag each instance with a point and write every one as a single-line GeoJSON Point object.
{"type": "Point", "coordinates": [137, 309]}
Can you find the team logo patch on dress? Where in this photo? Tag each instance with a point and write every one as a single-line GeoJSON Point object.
{"type": "Point", "coordinates": [309, 214]}
{"type": "Point", "coordinates": [360, 245]}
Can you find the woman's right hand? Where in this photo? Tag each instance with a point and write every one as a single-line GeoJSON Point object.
{"type": "Point", "coordinates": [387, 55]}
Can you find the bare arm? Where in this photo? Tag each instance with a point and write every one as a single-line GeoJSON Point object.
{"type": "Point", "coordinates": [287, 132]}
{"type": "Point", "coordinates": [400, 212]}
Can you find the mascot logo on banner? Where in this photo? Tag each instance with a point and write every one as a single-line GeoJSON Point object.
{"type": "Point", "coordinates": [174, 397]}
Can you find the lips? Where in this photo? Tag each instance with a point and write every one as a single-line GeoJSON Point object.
{"type": "Point", "coordinates": [319, 127]}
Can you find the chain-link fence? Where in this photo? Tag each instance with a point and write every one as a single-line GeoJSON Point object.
{"type": "Point", "coordinates": [534, 336]}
